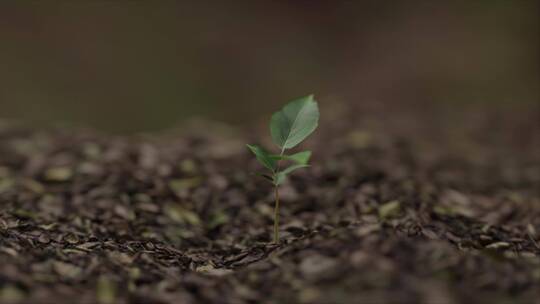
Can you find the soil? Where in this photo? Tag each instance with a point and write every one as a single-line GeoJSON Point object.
{"type": "Point", "coordinates": [427, 205]}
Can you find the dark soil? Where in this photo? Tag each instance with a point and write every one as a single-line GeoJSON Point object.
{"type": "Point", "coordinates": [418, 206]}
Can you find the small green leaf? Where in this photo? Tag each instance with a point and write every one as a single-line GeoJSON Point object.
{"type": "Point", "coordinates": [296, 121]}
{"type": "Point", "coordinates": [301, 158]}
{"type": "Point", "coordinates": [292, 168]}
{"type": "Point", "coordinates": [281, 176]}
{"type": "Point", "coordinates": [263, 157]}
{"type": "Point", "coordinates": [279, 179]}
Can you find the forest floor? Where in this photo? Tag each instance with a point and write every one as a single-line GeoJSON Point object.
{"type": "Point", "coordinates": [417, 206]}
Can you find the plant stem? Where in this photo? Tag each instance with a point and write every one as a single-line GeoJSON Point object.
{"type": "Point", "coordinates": [276, 207]}
{"type": "Point", "coordinates": [276, 215]}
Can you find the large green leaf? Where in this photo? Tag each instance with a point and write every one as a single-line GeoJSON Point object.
{"type": "Point", "coordinates": [301, 158]}
{"type": "Point", "coordinates": [292, 124]}
{"type": "Point", "coordinates": [263, 157]}
{"type": "Point", "coordinates": [281, 176]}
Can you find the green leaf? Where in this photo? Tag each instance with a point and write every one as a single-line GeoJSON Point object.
{"type": "Point", "coordinates": [279, 179]}
{"type": "Point", "coordinates": [296, 121]}
{"type": "Point", "coordinates": [281, 176]}
{"type": "Point", "coordinates": [263, 157]}
{"type": "Point", "coordinates": [292, 168]}
{"type": "Point", "coordinates": [301, 158]}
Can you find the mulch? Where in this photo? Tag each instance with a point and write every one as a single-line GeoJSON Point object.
{"type": "Point", "coordinates": [399, 206]}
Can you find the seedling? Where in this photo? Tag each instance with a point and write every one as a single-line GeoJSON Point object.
{"type": "Point", "coordinates": [288, 127]}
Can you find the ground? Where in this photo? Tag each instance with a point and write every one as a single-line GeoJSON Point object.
{"type": "Point", "coordinates": [430, 205]}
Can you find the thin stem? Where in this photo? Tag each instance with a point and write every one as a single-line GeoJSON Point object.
{"type": "Point", "coordinates": [276, 215]}
{"type": "Point", "coordinates": [276, 207]}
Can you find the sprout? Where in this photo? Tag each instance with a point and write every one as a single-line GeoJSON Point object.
{"type": "Point", "coordinates": [288, 127]}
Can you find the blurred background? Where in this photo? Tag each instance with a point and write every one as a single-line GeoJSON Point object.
{"type": "Point", "coordinates": [130, 66]}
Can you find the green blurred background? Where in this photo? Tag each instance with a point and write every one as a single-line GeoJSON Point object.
{"type": "Point", "coordinates": [129, 66]}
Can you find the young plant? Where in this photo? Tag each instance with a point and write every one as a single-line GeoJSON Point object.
{"type": "Point", "coordinates": [288, 127]}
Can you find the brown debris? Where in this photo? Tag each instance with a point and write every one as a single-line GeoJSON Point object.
{"type": "Point", "coordinates": [382, 216]}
